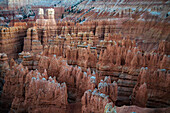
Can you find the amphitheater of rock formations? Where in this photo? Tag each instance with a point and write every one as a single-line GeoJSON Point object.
{"type": "Point", "coordinates": [84, 56]}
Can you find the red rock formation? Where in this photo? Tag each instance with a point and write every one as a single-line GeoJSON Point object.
{"type": "Point", "coordinates": [157, 87]}
{"type": "Point", "coordinates": [82, 57]}
{"type": "Point", "coordinates": [94, 101]}
{"type": "Point", "coordinates": [74, 77]}
{"type": "Point", "coordinates": [130, 41]}
{"type": "Point", "coordinates": [43, 63]}
{"type": "Point", "coordinates": [14, 81]}
{"type": "Point", "coordinates": [22, 88]}
{"type": "Point", "coordinates": [4, 66]}
{"type": "Point", "coordinates": [86, 80]}
{"type": "Point", "coordinates": [26, 88]}
{"type": "Point", "coordinates": [164, 47]}
{"type": "Point", "coordinates": [72, 55]}
{"type": "Point", "coordinates": [115, 58]}
{"type": "Point", "coordinates": [29, 60]}
{"type": "Point", "coordinates": [86, 58]}
{"type": "Point", "coordinates": [165, 62]}
{"type": "Point", "coordinates": [49, 93]}
{"type": "Point", "coordinates": [11, 40]}
{"type": "Point", "coordinates": [14, 85]}
{"type": "Point", "coordinates": [130, 109]}
{"type": "Point", "coordinates": [108, 88]}
{"type": "Point", "coordinates": [141, 96]}
{"type": "Point", "coordinates": [31, 42]}
{"type": "Point", "coordinates": [128, 60]}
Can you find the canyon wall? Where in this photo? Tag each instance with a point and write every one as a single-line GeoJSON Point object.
{"type": "Point", "coordinates": [97, 60]}
{"type": "Point", "coordinates": [126, 60]}
{"type": "Point", "coordinates": [157, 91]}
{"type": "Point", "coordinates": [11, 40]}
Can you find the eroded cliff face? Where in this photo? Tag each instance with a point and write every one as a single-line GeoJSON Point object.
{"type": "Point", "coordinates": [121, 60]}
{"type": "Point", "coordinates": [110, 109]}
{"type": "Point", "coordinates": [11, 40]}
{"type": "Point", "coordinates": [100, 59]}
{"type": "Point", "coordinates": [77, 80]}
{"type": "Point", "coordinates": [4, 66]}
{"type": "Point", "coordinates": [27, 86]}
{"type": "Point", "coordinates": [133, 84]}
{"type": "Point", "coordinates": [85, 58]}
{"type": "Point", "coordinates": [42, 95]}
{"type": "Point", "coordinates": [14, 84]}
{"type": "Point", "coordinates": [146, 85]}
{"type": "Point", "coordinates": [31, 42]}
{"type": "Point", "coordinates": [96, 100]}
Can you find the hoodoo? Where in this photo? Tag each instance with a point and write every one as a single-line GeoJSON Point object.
{"type": "Point", "coordinates": [84, 56]}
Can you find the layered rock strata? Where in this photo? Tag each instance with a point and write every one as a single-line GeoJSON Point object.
{"type": "Point", "coordinates": [29, 60]}
{"type": "Point", "coordinates": [31, 42]}
{"type": "Point", "coordinates": [156, 86]}
{"type": "Point", "coordinates": [11, 40]}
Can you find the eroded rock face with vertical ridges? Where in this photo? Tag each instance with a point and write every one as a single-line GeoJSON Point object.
{"type": "Point", "coordinates": [94, 101]}
{"type": "Point", "coordinates": [11, 40]}
{"type": "Point", "coordinates": [31, 42]}
{"type": "Point", "coordinates": [26, 87]}
{"type": "Point", "coordinates": [85, 56]}
{"type": "Point", "coordinates": [4, 66]}
{"type": "Point", "coordinates": [50, 93]}
{"type": "Point", "coordinates": [14, 82]}
{"type": "Point", "coordinates": [110, 109]}
{"type": "Point", "coordinates": [157, 87]}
